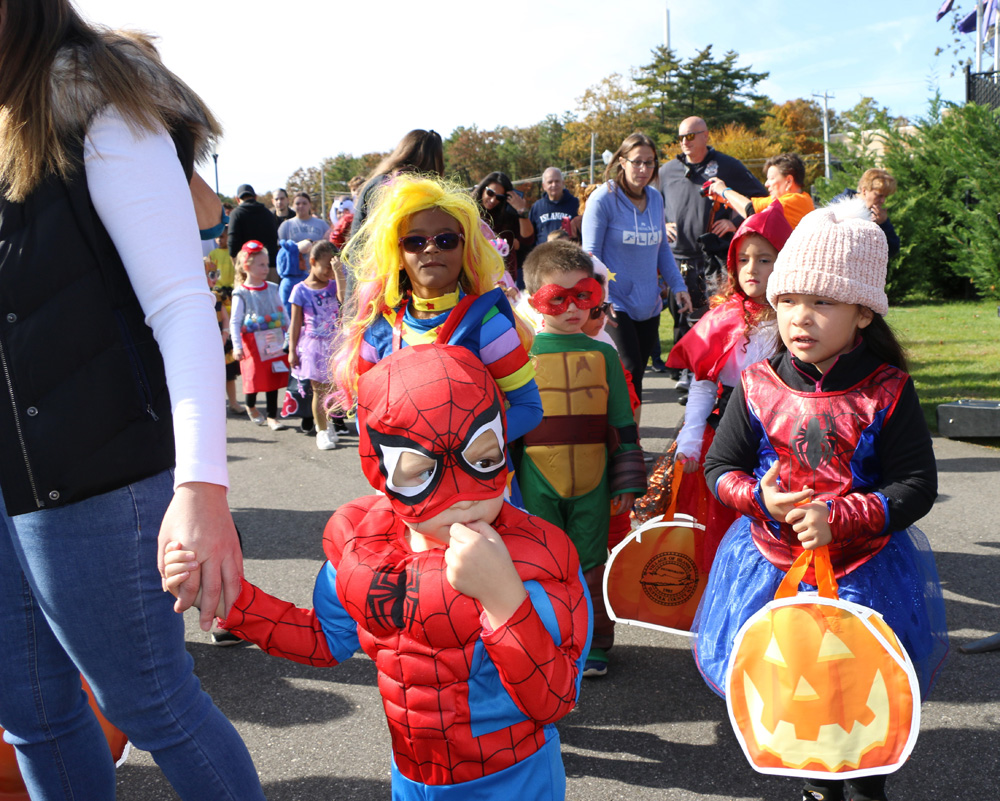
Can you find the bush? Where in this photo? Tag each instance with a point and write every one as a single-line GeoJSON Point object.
{"type": "Point", "coordinates": [945, 209]}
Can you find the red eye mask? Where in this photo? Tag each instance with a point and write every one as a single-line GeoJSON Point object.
{"type": "Point", "coordinates": [554, 299]}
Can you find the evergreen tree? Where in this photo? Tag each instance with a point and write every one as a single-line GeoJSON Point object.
{"type": "Point", "coordinates": [718, 90]}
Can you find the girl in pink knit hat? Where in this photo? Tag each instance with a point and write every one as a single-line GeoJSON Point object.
{"type": "Point", "coordinates": [825, 444]}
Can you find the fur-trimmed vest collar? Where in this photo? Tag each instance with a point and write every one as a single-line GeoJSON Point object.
{"type": "Point", "coordinates": [77, 97]}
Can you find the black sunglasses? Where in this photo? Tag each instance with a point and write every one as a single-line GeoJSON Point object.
{"type": "Point", "coordinates": [416, 243]}
{"type": "Point", "coordinates": [491, 193]}
{"type": "Point", "coordinates": [604, 308]}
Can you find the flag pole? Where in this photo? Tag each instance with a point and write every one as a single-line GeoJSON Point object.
{"type": "Point", "coordinates": [979, 36]}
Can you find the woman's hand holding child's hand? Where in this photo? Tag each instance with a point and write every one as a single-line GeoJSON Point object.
{"type": "Point", "coordinates": [480, 566]}
{"type": "Point", "coordinates": [810, 523]}
{"type": "Point", "coordinates": [779, 503]}
{"type": "Point", "coordinates": [179, 566]}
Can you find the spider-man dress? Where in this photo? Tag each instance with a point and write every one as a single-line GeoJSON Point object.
{"type": "Point", "coordinates": [471, 716]}
{"type": "Point", "coordinates": [857, 437]}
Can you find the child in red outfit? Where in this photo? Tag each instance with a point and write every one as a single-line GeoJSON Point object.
{"type": "Point", "coordinates": [473, 611]}
{"type": "Point", "coordinates": [737, 331]}
{"type": "Point", "coordinates": [257, 326]}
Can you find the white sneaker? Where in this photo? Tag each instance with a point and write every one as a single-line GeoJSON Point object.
{"type": "Point", "coordinates": [276, 425]}
{"type": "Point", "coordinates": [684, 383]}
{"type": "Point", "coordinates": [323, 441]}
{"type": "Point", "coordinates": [331, 432]}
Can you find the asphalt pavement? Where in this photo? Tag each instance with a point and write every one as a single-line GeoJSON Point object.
{"type": "Point", "coordinates": [650, 729]}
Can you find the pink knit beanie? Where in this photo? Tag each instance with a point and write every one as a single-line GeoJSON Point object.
{"type": "Point", "coordinates": [836, 252]}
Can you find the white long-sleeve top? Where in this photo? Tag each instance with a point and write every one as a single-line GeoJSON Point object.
{"type": "Point", "coordinates": [140, 193]}
{"type": "Point", "coordinates": [702, 394]}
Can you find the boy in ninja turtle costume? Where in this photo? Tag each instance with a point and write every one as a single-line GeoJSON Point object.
{"type": "Point", "coordinates": [583, 462]}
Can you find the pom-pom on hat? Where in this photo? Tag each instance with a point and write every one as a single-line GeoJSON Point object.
{"type": "Point", "coordinates": [837, 253]}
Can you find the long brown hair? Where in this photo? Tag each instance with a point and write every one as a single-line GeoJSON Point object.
{"type": "Point", "coordinates": [419, 151]}
{"type": "Point", "coordinates": [33, 143]}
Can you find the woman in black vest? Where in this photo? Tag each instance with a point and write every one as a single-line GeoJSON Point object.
{"type": "Point", "coordinates": [98, 237]}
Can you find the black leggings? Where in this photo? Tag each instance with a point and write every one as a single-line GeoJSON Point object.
{"type": "Point", "coordinates": [270, 402]}
{"type": "Point", "coordinates": [635, 340]}
{"type": "Point", "coordinates": [864, 788]}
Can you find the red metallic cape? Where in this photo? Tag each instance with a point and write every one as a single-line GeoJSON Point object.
{"type": "Point", "coordinates": [705, 349]}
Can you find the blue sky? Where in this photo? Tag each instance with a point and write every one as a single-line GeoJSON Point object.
{"type": "Point", "coordinates": [298, 81]}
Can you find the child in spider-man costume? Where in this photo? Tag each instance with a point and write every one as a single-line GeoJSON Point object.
{"type": "Point", "coordinates": [473, 611]}
{"type": "Point", "coordinates": [825, 444]}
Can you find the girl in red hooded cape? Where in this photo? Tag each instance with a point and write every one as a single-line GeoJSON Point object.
{"type": "Point", "coordinates": [736, 332]}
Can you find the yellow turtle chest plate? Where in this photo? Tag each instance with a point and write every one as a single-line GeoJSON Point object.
{"type": "Point", "coordinates": [572, 384]}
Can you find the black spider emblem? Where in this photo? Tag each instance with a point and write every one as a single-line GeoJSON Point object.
{"type": "Point", "coordinates": [814, 440]}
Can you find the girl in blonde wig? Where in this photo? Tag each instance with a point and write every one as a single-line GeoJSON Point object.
{"type": "Point", "coordinates": [424, 271]}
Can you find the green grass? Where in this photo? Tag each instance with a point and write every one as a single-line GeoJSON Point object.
{"type": "Point", "coordinates": [953, 348]}
{"type": "Point", "coordinates": [954, 351]}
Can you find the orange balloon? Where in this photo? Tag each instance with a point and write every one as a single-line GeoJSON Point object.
{"type": "Point", "coordinates": [12, 785]}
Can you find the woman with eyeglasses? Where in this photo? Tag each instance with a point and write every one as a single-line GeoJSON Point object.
{"type": "Point", "coordinates": [506, 212]}
{"type": "Point", "coordinates": [98, 140]}
{"type": "Point", "coordinates": [623, 227]}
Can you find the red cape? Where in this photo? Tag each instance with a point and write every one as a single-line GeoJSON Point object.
{"type": "Point", "coordinates": [705, 349]}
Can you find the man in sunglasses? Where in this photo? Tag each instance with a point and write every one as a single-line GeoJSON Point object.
{"type": "Point", "coordinates": [689, 213]}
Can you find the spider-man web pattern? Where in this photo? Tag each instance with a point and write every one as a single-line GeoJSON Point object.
{"type": "Point", "coordinates": [435, 405]}
{"type": "Point", "coordinates": [461, 702]}
{"type": "Point", "coordinates": [464, 702]}
{"type": "Point", "coordinates": [827, 441]}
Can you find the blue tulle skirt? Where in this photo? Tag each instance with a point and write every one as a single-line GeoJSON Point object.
{"type": "Point", "coordinates": [900, 583]}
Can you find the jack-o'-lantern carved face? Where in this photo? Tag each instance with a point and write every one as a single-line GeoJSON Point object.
{"type": "Point", "coordinates": [812, 688]}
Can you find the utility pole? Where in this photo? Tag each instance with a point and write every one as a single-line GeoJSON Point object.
{"type": "Point", "coordinates": [593, 139]}
{"type": "Point", "coordinates": [322, 190]}
{"type": "Point", "coordinates": [826, 132]}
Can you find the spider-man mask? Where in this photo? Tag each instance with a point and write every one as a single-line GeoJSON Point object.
{"type": "Point", "coordinates": [554, 299]}
{"type": "Point", "coordinates": [434, 401]}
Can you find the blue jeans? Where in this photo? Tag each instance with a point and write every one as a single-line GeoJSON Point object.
{"type": "Point", "coordinates": [80, 593]}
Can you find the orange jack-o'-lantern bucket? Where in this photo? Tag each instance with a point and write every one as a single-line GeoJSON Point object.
{"type": "Point", "coordinates": [819, 687]}
{"type": "Point", "coordinates": [12, 785]}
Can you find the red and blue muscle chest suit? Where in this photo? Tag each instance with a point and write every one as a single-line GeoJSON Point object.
{"type": "Point", "coordinates": [830, 441]}
{"type": "Point", "coordinates": [471, 710]}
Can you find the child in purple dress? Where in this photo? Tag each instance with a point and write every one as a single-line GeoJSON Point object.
{"type": "Point", "coordinates": [314, 321]}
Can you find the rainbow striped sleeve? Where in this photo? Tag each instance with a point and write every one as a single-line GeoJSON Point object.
{"type": "Point", "coordinates": [502, 352]}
